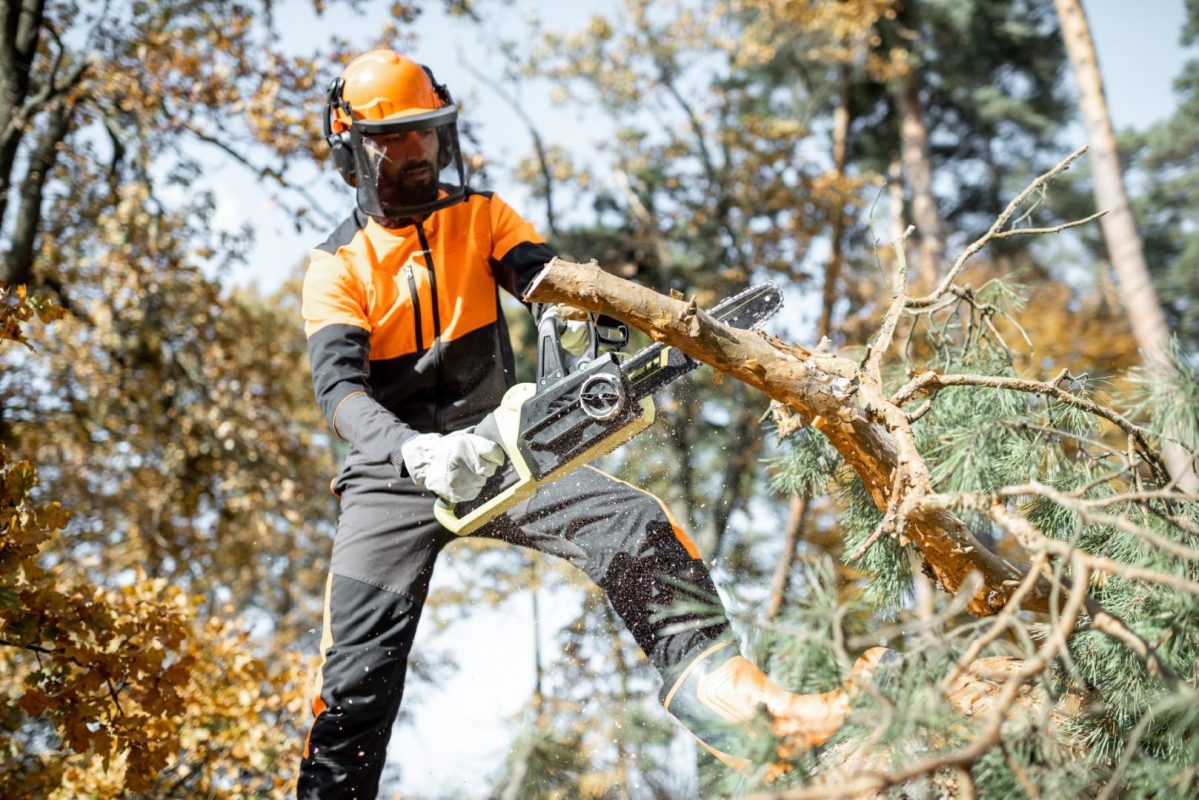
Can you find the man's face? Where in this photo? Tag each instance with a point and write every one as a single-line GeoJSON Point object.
{"type": "Point", "coordinates": [406, 166]}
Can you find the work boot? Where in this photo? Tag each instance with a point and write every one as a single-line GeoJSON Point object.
{"type": "Point", "coordinates": [719, 694]}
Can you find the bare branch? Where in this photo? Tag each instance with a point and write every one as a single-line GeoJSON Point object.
{"type": "Point", "coordinates": [886, 331]}
{"type": "Point", "coordinates": [1000, 223]}
{"type": "Point", "coordinates": [1000, 623]}
{"type": "Point", "coordinates": [1055, 229]}
{"type": "Point", "coordinates": [262, 172]}
{"type": "Point", "coordinates": [543, 161]}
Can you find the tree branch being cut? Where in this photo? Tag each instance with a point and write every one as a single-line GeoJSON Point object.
{"type": "Point", "coordinates": [825, 390]}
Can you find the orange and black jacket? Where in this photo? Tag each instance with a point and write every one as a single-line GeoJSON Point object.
{"type": "Point", "coordinates": [405, 332]}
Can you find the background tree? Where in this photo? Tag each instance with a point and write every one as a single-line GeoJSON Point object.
{"type": "Point", "coordinates": [1165, 189]}
{"type": "Point", "coordinates": [1120, 232]}
{"type": "Point", "coordinates": [144, 693]}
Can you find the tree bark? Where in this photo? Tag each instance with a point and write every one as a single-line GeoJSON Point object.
{"type": "Point", "coordinates": [18, 263]}
{"type": "Point", "coordinates": [819, 388]}
{"type": "Point", "coordinates": [1119, 228]}
{"type": "Point", "coordinates": [918, 173]}
{"type": "Point", "coordinates": [22, 20]}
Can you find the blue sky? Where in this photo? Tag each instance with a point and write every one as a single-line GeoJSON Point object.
{"type": "Point", "coordinates": [459, 736]}
{"type": "Point", "coordinates": [1139, 56]}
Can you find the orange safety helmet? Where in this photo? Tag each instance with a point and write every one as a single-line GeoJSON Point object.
{"type": "Point", "coordinates": [380, 95]}
{"type": "Point", "coordinates": [382, 85]}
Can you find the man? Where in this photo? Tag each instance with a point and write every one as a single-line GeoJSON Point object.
{"type": "Point", "coordinates": [409, 351]}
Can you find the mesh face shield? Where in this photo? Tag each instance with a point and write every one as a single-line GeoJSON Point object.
{"type": "Point", "coordinates": [410, 166]}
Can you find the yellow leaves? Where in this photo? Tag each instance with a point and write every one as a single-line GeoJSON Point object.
{"type": "Point", "coordinates": [18, 480]}
{"type": "Point", "coordinates": [132, 677]}
{"type": "Point", "coordinates": [832, 189]}
{"type": "Point", "coordinates": [770, 127]}
{"type": "Point", "coordinates": [14, 312]}
{"type": "Point", "coordinates": [53, 516]}
{"type": "Point", "coordinates": [599, 28]}
{"type": "Point", "coordinates": [842, 30]}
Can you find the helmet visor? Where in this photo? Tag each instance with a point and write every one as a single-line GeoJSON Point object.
{"type": "Point", "coordinates": [410, 166]}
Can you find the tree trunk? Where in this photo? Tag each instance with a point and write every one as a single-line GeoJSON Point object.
{"type": "Point", "coordinates": [22, 20]}
{"type": "Point", "coordinates": [623, 756]}
{"type": "Point", "coordinates": [739, 455]}
{"type": "Point", "coordinates": [683, 495]}
{"type": "Point", "coordinates": [18, 262]}
{"type": "Point", "coordinates": [895, 217]}
{"type": "Point", "coordinates": [918, 174]}
{"type": "Point", "coordinates": [797, 518]}
{"type": "Point", "coordinates": [514, 781]}
{"type": "Point", "coordinates": [1119, 228]}
{"type": "Point", "coordinates": [832, 269]}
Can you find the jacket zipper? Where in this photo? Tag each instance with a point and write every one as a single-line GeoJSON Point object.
{"type": "Point", "coordinates": [432, 268]}
{"type": "Point", "coordinates": [408, 273]}
{"type": "Point", "coordinates": [424, 243]}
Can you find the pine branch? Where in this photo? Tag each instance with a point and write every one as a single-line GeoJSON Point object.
{"type": "Point", "coordinates": [931, 382]}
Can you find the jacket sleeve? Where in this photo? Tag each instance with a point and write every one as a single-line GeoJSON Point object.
{"type": "Point", "coordinates": [338, 331]}
{"type": "Point", "coordinates": [518, 253]}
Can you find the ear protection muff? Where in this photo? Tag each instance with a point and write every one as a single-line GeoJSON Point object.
{"type": "Point", "coordinates": [443, 94]}
{"type": "Point", "coordinates": [339, 143]}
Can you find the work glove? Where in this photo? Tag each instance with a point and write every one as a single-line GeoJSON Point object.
{"type": "Point", "coordinates": [576, 336]}
{"type": "Point", "coordinates": [454, 466]}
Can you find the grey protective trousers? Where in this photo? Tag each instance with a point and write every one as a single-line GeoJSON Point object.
{"type": "Point", "coordinates": [387, 541]}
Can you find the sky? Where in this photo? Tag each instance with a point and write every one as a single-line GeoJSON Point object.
{"type": "Point", "coordinates": [1136, 41]}
{"type": "Point", "coordinates": [460, 730]}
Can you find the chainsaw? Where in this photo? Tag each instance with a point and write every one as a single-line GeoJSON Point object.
{"type": "Point", "coordinates": [576, 412]}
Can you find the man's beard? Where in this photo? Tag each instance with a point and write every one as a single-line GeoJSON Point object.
{"type": "Point", "coordinates": [407, 190]}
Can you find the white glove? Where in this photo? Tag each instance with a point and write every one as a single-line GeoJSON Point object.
{"type": "Point", "coordinates": [576, 337]}
{"type": "Point", "coordinates": [455, 466]}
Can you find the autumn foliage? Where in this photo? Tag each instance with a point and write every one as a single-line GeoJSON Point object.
{"type": "Point", "coordinates": [137, 689]}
